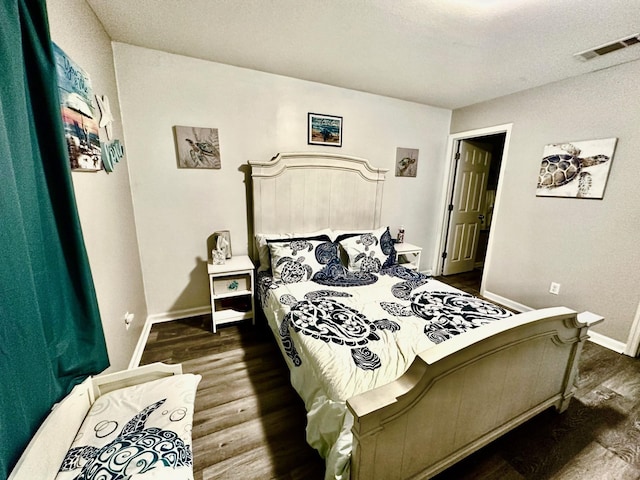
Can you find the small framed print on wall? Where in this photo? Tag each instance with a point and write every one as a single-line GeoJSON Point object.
{"type": "Point", "coordinates": [406, 162]}
{"type": "Point", "coordinates": [197, 147]}
{"type": "Point", "coordinates": [324, 130]}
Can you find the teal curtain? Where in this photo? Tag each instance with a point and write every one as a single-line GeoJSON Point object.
{"type": "Point", "coordinates": [50, 330]}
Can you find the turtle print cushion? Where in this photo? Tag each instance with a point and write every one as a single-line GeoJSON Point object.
{"type": "Point", "coordinates": [262, 240]}
{"type": "Point", "coordinates": [369, 252]}
{"type": "Point", "coordinates": [139, 432]}
{"type": "Point", "coordinates": [299, 259]}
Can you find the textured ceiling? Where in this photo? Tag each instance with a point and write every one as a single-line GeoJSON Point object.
{"type": "Point", "coordinates": [446, 53]}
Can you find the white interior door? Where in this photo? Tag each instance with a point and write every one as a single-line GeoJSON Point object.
{"type": "Point", "coordinates": [465, 221]}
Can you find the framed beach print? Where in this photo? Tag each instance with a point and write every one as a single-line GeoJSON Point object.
{"type": "Point", "coordinates": [576, 169]}
{"type": "Point", "coordinates": [324, 130]}
{"type": "Point", "coordinates": [81, 129]}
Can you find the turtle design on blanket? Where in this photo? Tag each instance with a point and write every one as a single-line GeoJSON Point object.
{"type": "Point", "coordinates": [135, 450]}
{"type": "Point", "coordinates": [326, 319]}
{"type": "Point", "coordinates": [447, 313]}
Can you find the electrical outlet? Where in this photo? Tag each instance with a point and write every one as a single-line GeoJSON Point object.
{"type": "Point", "coordinates": [128, 318]}
{"type": "Point", "coordinates": [554, 288]}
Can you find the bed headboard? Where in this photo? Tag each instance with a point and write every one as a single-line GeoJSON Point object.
{"type": "Point", "coordinates": [304, 192]}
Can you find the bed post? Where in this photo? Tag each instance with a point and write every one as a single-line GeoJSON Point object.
{"type": "Point", "coordinates": [583, 322]}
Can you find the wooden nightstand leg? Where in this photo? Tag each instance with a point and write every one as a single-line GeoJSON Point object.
{"type": "Point", "coordinates": [213, 305]}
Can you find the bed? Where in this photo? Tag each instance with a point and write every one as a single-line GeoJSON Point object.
{"type": "Point", "coordinates": [401, 375]}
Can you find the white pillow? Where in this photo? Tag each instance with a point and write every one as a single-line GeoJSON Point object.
{"type": "Point", "coordinates": [370, 251]}
{"type": "Point", "coordinates": [336, 234]}
{"type": "Point", "coordinates": [137, 429]}
{"type": "Point", "coordinates": [263, 247]}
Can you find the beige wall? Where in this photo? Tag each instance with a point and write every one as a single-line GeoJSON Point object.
{"type": "Point", "coordinates": [104, 200]}
{"type": "Point", "coordinates": [257, 115]}
{"type": "Point", "coordinates": [590, 247]}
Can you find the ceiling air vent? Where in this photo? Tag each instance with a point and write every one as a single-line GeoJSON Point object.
{"type": "Point", "coordinates": [608, 48]}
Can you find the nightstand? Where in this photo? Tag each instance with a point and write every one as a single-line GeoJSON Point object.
{"type": "Point", "coordinates": [408, 255]}
{"type": "Point", "coordinates": [231, 287]}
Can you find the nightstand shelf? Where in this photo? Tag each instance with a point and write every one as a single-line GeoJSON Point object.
{"type": "Point", "coordinates": [231, 287]}
{"type": "Point", "coordinates": [408, 255]}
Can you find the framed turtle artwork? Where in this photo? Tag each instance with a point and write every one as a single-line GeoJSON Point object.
{"type": "Point", "coordinates": [197, 147]}
{"type": "Point", "coordinates": [576, 169]}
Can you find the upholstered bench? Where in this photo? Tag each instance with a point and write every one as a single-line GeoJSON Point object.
{"type": "Point", "coordinates": [134, 424]}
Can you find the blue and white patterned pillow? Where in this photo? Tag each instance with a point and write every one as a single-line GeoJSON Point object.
{"type": "Point", "coordinates": [299, 259]}
{"type": "Point", "coordinates": [262, 244]}
{"type": "Point", "coordinates": [369, 252]}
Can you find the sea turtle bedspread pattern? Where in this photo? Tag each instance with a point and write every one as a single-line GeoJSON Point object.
{"type": "Point", "coordinates": [331, 321]}
{"type": "Point", "coordinates": [322, 316]}
{"type": "Point", "coordinates": [447, 313]}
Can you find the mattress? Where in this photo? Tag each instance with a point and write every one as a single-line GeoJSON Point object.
{"type": "Point", "coordinates": [341, 338]}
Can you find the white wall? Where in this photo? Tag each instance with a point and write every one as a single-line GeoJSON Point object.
{"type": "Point", "coordinates": [590, 247]}
{"type": "Point", "coordinates": [104, 200]}
{"type": "Point", "coordinates": [257, 115]}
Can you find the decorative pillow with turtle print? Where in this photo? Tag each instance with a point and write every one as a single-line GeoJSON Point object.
{"type": "Point", "coordinates": [262, 244]}
{"type": "Point", "coordinates": [299, 259]}
{"type": "Point", "coordinates": [137, 432]}
{"type": "Point", "coordinates": [369, 252]}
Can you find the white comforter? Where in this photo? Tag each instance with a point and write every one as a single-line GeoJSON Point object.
{"type": "Point", "coordinates": [342, 341]}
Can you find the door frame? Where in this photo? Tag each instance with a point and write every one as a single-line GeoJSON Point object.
{"type": "Point", "coordinates": [632, 347]}
{"type": "Point", "coordinates": [453, 141]}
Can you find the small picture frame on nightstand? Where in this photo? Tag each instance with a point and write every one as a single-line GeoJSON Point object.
{"type": "Point", "coordinates": [222, 242]}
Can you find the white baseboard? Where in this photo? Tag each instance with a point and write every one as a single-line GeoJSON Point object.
{"type": "Point", "coordinates": [607, 342]}
{"type": "Point", "coordinates": [178, 314]}
{"type": "Point", "coordinates": [597, 338]}
{"type": "Point", "coordinates": [518, 307]}
{"type": "Point", "coordinates": [159, 318]}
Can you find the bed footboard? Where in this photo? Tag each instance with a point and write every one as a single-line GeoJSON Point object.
{"type": "Point", "coordinates": [466, 392]}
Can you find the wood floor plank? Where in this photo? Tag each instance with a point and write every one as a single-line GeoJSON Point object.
{"type": "Point", "coordinates": [597, 463]}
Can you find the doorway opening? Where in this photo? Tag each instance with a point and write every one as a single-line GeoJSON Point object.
{"type": "Point", "coordinates": [472, 193]}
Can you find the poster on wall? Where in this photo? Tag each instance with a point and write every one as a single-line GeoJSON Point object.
{"type": "Point", "coordinates": [406, 162]}
{"type": "Point", "coordinates": [81, 129]}
{"type": "Point", "coordinates": [324, 130]}
{"type": "Point", "coordinates": [197, 147]}
{"type": "Point", "coordinates": [576, 169]}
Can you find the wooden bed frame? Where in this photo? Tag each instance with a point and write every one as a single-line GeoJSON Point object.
{"type": "Point", "coordinates": [44, 454]}
{"type": "Point", "coordinates": [461, 394]}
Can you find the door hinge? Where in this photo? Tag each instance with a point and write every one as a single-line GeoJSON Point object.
{"type": "Point", "coordinates": [457, 157]}
{"type": "Point", "coordinates": [444, 255]}
{"type": "Point", "coordinates": [450, 208]}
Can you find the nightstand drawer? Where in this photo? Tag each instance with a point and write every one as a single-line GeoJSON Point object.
{"type": "Point", "coordinates": [231, 284]}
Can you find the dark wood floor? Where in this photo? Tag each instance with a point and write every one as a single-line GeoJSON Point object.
{"type": "Point", "coordinates": [249, 422]}
{"type": "Point", "coordinates": [467, 282]}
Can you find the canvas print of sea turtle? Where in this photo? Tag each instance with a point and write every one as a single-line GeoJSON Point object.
{"type": "Point", "coordinates": [197, 147]}
{"type": "Point", "coordinates": [575, 169]}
